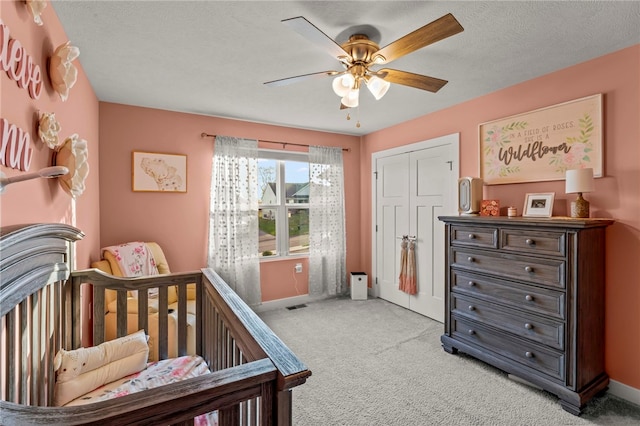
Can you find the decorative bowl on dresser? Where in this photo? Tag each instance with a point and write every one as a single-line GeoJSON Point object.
{"type": "Point", "coordinates": [526, 295]}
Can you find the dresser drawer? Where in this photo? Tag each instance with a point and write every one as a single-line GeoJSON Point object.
{"type": "Point", "coordinates": [473, 236]}
{"type": "Point", "coordinates": [546, 361]}
{"type": "Point", "coordinates": [520, 296]}
{"type": "Point", "coordinates": [533, 242]}
{"type": "Point", "coordinates": [545, 331]}
{"type": "Point", "coordinates": [548, 272]}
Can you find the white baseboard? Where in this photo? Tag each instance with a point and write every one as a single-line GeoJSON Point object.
{"type": "Point", "coordinates": [283, 303]}
{"type": "Point", "coordinates": [624, 391]}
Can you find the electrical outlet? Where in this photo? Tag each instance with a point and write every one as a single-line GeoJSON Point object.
{"type": "Point", "coordinates": [298, 268]}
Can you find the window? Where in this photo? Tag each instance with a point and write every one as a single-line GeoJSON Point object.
{"type": "Point", "coordinates": [283, 194]}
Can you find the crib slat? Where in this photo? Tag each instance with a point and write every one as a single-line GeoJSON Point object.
{"type": "Point", "coordinates": [121, 314]}
{"type": "Point", "coordinates": [163, 323]}
{"type": "Point", "coordinates": [23, 368]}
{"type": "Point", "coordinates": [143, 307]}
{"type": "Point", "coordinates": [229, 416]}
{"type": "Point", "coordinates": [34, 332]}
{"type": "Point", "coordinates": [98, 320]}
{"type": "Point", "coordinates": [45, 326]}
{"type": "Point", "coordinates": [11, 358]}
{"type": "Point", "coordinates": [58, 336]}
{"type": "Point", "coordinates": [200, 316]}
{"type": "Point", "coordinates": [182, 319]}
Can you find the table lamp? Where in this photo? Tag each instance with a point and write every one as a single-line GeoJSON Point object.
{"type": "Point", "coordinates": [579, 181]}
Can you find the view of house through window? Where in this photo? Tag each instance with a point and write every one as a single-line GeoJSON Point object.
{"type": "Point", "coordinates": [283, 194]}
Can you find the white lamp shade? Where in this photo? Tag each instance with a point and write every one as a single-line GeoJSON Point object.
{"type": "Point", "coordinates": [579, 180]}
{"type": "Point", "coordinates": [378, 87]}
{"type": "Point", "coordinates": [342, 84]}
{"type": "Point", "coordinates": [350, 100]}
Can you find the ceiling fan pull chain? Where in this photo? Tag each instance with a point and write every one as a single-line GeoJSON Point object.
{"type": "Point", "coordinates": [358, 116]}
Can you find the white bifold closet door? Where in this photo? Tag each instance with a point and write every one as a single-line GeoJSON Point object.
{"type": "Point", "coordinates": [412, 190]}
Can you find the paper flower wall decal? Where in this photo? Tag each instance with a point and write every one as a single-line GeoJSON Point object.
{"type": "Point", "coordinates": [48, 129]}
{"type": "Point", "coordinates": [62, 72]}
{"type": "Point", "coordinates": [73, 154]}
{"type": "Point", "coordinates": [36, 7]}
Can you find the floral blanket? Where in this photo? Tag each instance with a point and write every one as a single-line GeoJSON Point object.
{"type": "Point", "coordinates": [156, 374]}
{"type": "Point", "coordinates": [135, 259]}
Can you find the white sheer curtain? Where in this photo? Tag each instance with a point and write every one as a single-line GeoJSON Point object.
{"type": "Point", "coordinates": [233, 218]}
{"type": "Point", "coordinates": [327, 240]}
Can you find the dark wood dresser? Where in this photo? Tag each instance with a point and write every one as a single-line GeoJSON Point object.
{"type": "Point", "coordinates": [526, 295]}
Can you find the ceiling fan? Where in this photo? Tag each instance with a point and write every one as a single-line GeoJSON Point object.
{"type": "Point", "coordinates": [359, 56]}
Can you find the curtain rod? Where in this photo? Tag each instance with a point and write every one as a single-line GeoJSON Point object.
{"type": "Point", "coordinates": [207, 135]}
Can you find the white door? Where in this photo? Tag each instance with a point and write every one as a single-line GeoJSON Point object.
{"type": "Point", "coordinates": [412, 190]}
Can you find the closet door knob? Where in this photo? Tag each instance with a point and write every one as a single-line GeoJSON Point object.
{"type": "Point", "coordinates": [528, 268]}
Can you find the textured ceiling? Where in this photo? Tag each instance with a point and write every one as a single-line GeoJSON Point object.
{"type": "Point", "coordinates": [212, 57]}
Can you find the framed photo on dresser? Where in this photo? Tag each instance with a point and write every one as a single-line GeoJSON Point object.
{"type": "Point", "coordinates": [538, 204]}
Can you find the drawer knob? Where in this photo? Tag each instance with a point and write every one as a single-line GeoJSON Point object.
{"type": "Point", "coordinates": [528, 354]}
{"type": "Point", "coordinates": [528, 298]}
{"type": "Point", "coordinates": [528, 268]}
{"type": "Point", "coordinates": [472, 236]}
{"type": "Point", "coordinates": [472, 308]}
{"type": "Point", "coordinates": [471, 259]}
{"type": "Point", "coordinates": [528, 326]}
{"type": "Point", "coordinates": [529, 241]}
{"type": "Point", "coordinates": [471, 332]}
{"type": "Point", "coordinates": [471, 284]}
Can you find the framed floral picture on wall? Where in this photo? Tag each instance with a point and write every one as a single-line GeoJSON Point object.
{"type": "Point", "coordinates": [157, 172]}
{"type": "Point", "coordinates": [541, 145]}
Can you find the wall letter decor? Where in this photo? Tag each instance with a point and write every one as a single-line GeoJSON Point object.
{"type": "Point", "coordinates": [18, 65]}
{"type": "Point", "coordinates": [16, 149]}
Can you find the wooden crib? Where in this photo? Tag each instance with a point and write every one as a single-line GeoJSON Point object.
{"type": "Point", "coordinates": [252, 371]}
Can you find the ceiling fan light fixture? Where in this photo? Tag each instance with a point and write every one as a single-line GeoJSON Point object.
{"type": "Point", "coordinates": [377, 86]}
{"type": "Point", "coordinates": [350, 100]}
{"type": "Point", "coordinates": [342, 84]}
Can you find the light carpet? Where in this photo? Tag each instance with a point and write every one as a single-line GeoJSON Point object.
{"type": "Point", "coordinates": [375, 363]}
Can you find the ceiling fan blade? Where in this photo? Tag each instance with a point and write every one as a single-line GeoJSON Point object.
{"type": "Point", "coordinates": [314, 34]}
{"type": "Point", "coordinates": [418, 81]}
{"type": "Point", "coordinates": [297, 78]}
{"type": "Point", "coordinates": [435, 31]}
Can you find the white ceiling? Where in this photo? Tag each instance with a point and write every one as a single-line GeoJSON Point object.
{"type": "Point", "coordinates": [212, 57]}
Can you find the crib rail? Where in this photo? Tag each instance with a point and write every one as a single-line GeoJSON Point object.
{"type": "Point", "coordinates": [176, 403]}
{"type": "Point", "coordinates": [228, 333]}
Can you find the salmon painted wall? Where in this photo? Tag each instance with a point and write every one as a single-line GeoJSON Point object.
{"type": "Point", "coordinates": [179, 221]}
{"type": "Point", "coordinates": [617, 195]}
{"type": "Point", "coordinates": [44, 200]}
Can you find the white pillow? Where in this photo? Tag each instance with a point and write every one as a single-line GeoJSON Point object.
{"type": "Point", "coordinates": [82, 370]}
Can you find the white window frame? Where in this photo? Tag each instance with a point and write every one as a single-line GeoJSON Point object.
{"type": "Point", "coordinates": [282, 209]}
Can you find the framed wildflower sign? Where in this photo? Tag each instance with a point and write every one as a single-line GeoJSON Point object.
{"type": "Point", "coordinates": [542, 144]}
